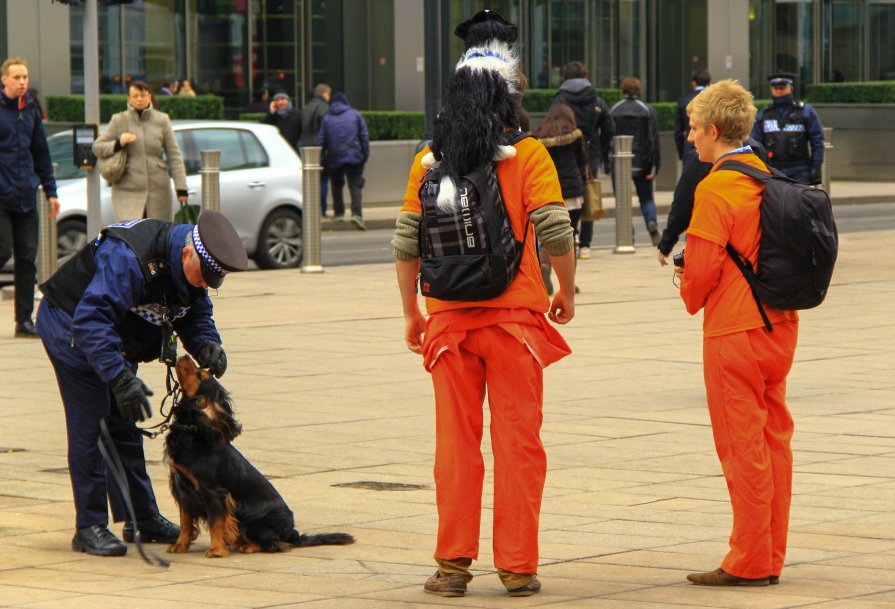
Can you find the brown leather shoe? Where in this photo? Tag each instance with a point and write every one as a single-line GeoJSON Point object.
{"type": "Point", "coordinates": [532, 587]}
{"type": "Point", "coordinates": [446, 584]}
{"type": "Point", "coordinates": [719, 577]}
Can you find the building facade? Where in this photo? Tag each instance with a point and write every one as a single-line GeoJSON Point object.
{"type": "Point", "coordinates": [374, 49]}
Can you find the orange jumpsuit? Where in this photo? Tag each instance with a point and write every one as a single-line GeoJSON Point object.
{"type": "Point", "coordinates": [500, 345]}
{"type": "Point", "coordinates": [745, 370]}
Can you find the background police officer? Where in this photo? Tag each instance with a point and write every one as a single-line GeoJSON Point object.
{"type": "Point", "coordinates": [791, 132]}
{"type": "Point", "coordinates": [109, 307]}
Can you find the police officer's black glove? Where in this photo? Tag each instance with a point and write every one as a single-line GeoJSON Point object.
{"type": "Point", "coordinates": [212, 357]}
{"type": "Point", "coordinates": [131, 396]}
{"type": "Point", "coordinates": [816, 177]}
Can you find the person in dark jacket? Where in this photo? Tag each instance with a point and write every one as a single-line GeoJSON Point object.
{"type": "Point", "coordinates": [692, 174]}
{"type": "Point", "coordinates": [311, 118]}
{"type": "Point", "coordinates": [346, 148]}
{"type": "Point", "coordinates": [633, 117]}
{"type": "Point", "coordinates": [564, 142]}
{"type": "Point", "coordinates": [113, 305]}
{"type": "Point", "coordinates": [787, 129]}
{"type": "Point", "coordinates": [593, 118]}
{"type": "Point", "coordinates": [700, 80]}
{"type": "Point", "coordinates": [285, 117]}
{"type": "Point", "coordinates": [25, 164]}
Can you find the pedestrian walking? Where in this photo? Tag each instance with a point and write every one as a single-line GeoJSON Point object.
{"type": "Point", "coordinates": [145, 136]}
{"type": "Point", "coordinates": [593, 118]}
{"type": "Point", "coordinates": [311, 118]}
{"type": "Point", "coordinates": [346, 147]}
{"type": "Point", "coordinates": [110, 307]}
{"type": "Point", "coordinates": [499, 345]}
{"type": "Point", "coordinates": [25, 164]}
{"type": "Point", "coordinates": [635, 118]}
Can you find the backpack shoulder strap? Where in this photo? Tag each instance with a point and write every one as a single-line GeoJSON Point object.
{"type": "Point", "coordinates": [749, 170]}
{"type": "Point", "coordinates": [515, 136]}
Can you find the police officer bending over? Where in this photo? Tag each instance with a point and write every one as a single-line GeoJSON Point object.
{"type": "Point", "coordinates": [103, 312]}
{"type": "Point", "coordinates": [787, 129]}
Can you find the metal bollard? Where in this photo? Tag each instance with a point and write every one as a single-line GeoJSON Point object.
{"type": "Point", "coordinates": [311, 260]}
{"type": "Point", "coordinates": [47, 241]}
{"type": "Point", "coordinates": [825, 168]}
{"type": "Point", "coordinates": [621, 178]}
{"type": "Point", "coordinates": [211, 179]}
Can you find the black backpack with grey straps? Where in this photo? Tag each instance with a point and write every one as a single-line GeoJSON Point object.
{"type": "Point", "coordinates": [470, 253]}
{"type": "Point", "coordinates": [798, 246]}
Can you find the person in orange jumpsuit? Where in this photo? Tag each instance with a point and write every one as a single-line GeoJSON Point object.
{"type": "Point", "coordinates": [499, 345]}
{"type": "Point", "coordinates": [745, 365]}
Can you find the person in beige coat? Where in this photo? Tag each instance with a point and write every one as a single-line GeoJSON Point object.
{"type": "Point", "coordinates": [144, 190]}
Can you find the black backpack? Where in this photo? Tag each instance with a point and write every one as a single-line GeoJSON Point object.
{"type": "Point", "coordinates": [471, 253]}
{"type": "Point", "coordinates": [798, 245]}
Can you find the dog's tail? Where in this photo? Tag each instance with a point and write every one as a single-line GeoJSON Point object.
{"type": "Point", "coordinates": [322, 539]}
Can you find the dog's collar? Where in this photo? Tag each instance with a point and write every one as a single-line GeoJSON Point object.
{"type": "Point", "coordinates": [186, 428]}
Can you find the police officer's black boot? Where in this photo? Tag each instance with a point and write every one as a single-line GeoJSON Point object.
{"type": "Point", "coordinates": [155, 529]}
{"type": "Point", "coordinates": [98, 540]}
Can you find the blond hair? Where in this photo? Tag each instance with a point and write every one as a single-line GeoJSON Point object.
{"type": "Point", "coordinates": [727, 106]}
{"type": "Point", "coordinates": [12, 61]}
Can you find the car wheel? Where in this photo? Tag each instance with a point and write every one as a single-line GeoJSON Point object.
{"type": "Point", "coordinates": [71, 236]}
{"type": "Point", "coordinates": [280, 241]}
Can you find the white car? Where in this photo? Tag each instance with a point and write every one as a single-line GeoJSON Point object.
{"type": "Point", "coordinates": [260, 187]}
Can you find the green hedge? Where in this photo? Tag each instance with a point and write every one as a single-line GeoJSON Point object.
{"type": "Point", "coordinates": [394, 125]}
{"type": "Point", "coordinates": [882, 92]}
{"type": "Point", "coordinates": [70, 108]}
{"type": "Point", "coordinates": [539, 100]}
{"type": "Point", "coordinates": [665, 114]}
{"type": "Point", "coordinates": [381, 126]}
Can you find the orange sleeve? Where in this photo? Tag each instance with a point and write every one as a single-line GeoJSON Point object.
{"type": "Point", "coordinates": [703, 261]}
{"type": "Point", "coordinates": [712, 215]}
{"type": "Point", "coordinates": [542, 184]}
{"type": "Point", "coordinates": [412, 193]}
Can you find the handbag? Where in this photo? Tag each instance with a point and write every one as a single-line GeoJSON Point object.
{"type": "Point", "coordinates": [112, 168]}
{"type": "Point", "coordinates": [593, 198]}
{"type": "Point", "coordinates": [187, 214]}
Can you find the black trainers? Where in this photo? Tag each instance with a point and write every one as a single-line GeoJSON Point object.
{"type": "Point", "coordinates": [446, 584]}
{"type": "Point", "coordinates": [26, 329]}
{"type": "Point", "coordinates": [156, 529]}
{"type": "Point", "coordinates": [97, 540]}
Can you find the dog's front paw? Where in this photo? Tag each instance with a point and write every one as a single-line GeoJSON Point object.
{"type": "Point", "coordinates": [213, 552]}
{"type": "Point", "coordinates": [179, 548]}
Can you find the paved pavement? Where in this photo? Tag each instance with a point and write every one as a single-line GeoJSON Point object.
{"type": "Point", "coordinates": [329, 397]}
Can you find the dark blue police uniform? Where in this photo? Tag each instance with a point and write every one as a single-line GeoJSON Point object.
{"type": "Point", "coordinates": [93, 344]}
{"type": "Point", "coordinates": [787, 129]}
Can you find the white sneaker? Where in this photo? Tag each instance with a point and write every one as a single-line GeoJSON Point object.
{"type": "Point", "coordinates": [584, 253]}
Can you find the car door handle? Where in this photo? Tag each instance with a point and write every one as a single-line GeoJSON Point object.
{"type": "Point", "coordinates": [257, 184]}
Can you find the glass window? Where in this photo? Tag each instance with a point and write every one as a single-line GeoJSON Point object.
{"type": "Point", "coordinates": [218, 39]}
{"type": "Point", "coordinates": [239, 149]}
{"type": "Point", "coordinates": [630, 39]}
{"type": "Point", "coordinates": [254, 151]}
{"type": "Point", "coordinates": [844, 46]}
{"type": "Point", "coordinates": [795, 41]}
{"type": "Point", "coordinates": [61, 153]}
{"type": "Point", "coordinates": [881, 40]}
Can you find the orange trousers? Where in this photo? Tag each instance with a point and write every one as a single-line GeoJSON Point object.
{"type": "Point", "coordinates": [489, 357]}
{"type": "Point", "coordinates": [745, 379]}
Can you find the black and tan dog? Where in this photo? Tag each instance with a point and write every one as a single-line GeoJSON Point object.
{"type": "Point", "coordinates": [212, 481]}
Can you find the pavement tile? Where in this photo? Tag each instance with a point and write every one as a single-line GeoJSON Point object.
{"type": "Point", "coordinates": [328, 395]}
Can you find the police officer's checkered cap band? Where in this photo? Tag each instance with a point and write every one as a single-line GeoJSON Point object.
{"type": "Point", "coordinates": [203, 253]}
